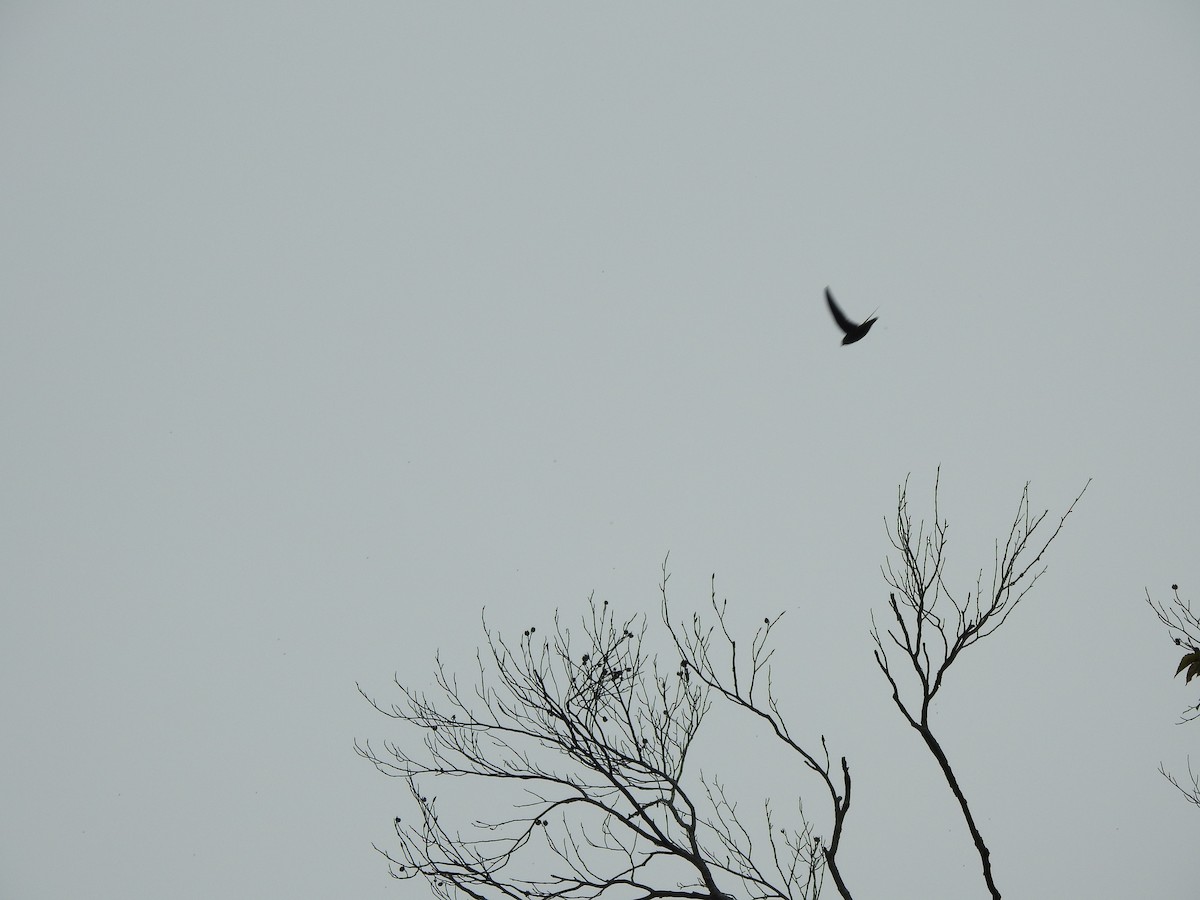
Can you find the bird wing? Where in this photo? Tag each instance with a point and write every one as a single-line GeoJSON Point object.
{"type": "Point", "coordinates": [838, 316]}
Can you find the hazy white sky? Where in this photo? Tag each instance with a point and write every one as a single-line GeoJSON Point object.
{"type": "Point", "coordinates": [323, 326]}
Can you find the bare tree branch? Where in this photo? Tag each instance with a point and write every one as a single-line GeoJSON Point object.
{"type": "Point", "coordinates": [711, 652]}
{"type": "Point", "coordinates": [1191, 791]}
{"type": "Point", "coordinates": [924, 637]}
{"type": "Point", "coordinates": [565, 770]}
{"type": "Point", "coordinates": [1183, 626]}
{"type": "Point", "coordinates": [594, 737]}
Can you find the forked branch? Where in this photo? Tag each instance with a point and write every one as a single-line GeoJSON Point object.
{"type": "Point", "coordinates": [742, 676]}
{"type": "Point", "coordinates": [930, 626]}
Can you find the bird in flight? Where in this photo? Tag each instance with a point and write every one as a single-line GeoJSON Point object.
{"type": "Point", "coordinates": [854, 331]}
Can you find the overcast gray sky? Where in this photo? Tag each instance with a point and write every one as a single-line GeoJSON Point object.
{"type": "Point", "coordinates": [323, 326]}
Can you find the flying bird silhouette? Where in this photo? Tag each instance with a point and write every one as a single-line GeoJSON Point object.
{"type": "Point", "coordinates": [854, 331]}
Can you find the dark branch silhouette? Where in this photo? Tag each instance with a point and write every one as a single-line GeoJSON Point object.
{"type": "Point", "coordinates": [927, 638]}
{"type": "Point", "coordinates": [594, 737]}
{"type": "Point", "coordinates": [1183, 625]}
{"type": "Point", "coordinates": [746, 683]}
{"type": "Point", "coordinates": [565, 767]}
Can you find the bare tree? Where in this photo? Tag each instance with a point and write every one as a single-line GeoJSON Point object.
{"type": "Point", "coordinates": [931, 626]}
{"type": "Point", "coordinates": [595, 737]}
{"type": "Point", "coordinates": [1183, 625]}
{"type": "Point", "coordinates": [585, 742]}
